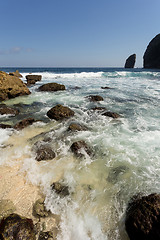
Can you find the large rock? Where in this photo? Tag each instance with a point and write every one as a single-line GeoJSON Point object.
{"type": "Point", "coordinates": [143, 218]}
{"type": "Point", "coordinates": [79, 148]}
{"type": "Point", "coordinates": [130, 61]}
{"type": "Point", "coordinates": [60, 112]}
{"type": "Point", "coordinates": [32, 79]}
{"type": "Point", "coordinates": [16, 74]}
{"type": "Point", "coordinates": [17, 227]}
{"type": "Point", "coordinates": [52, 87]}
{"type": "Point", "coordinates": [151, 58]}
{"type": "Point", "coordinates": [11, 87]}
{"type": "Point", "coordinates": [74, 127]}
{"type": "Point", "coordinates": [111, 114]}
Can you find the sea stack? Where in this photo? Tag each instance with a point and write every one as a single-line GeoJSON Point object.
{"type": "Point", "coordinates": [151, 58]}
{"type": "Point", "coordinates": [130, 61]}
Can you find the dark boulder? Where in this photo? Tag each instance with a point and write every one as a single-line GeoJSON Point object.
{"type": "Point", "coordinates": [52, 87]}
{"type": "Point", "coordinates": [99, 109]}
{"type": "Point", "coordinates": [4, 126]}
{"type": "Point", "coordinates": [32, 79]}
{"type": "Point", "coordinates": [143, 218]}
{"type": "Point", "coordinates": [95, 98]}
{"type": "Point", "coordinates": [111, 114]}
{"type": "Point", "coordinates": [16, 74]}
{"type": "Point", "coordinates": [60, 112]}
{"type": "Point", "coordinates": [17, 227]}
{"type": "Point", "coordinates": [60, 189]}
{"type": "Point", "coordinates": [45, 152]}
{"type": "Point", "coordinates": [24, 123]}
{"type": "Point", "coordinates": [79, 148]}
{"type": "Point", "coordinates": [11, 87]}
{"type": "Point", "coordinates": [8, 110]}
{"type": "Point", "coordinates": [130, 61]}
{"type": "Point", "coordinates": [76, 127]}
{"type": "Point", "coordinates": [151, 58]}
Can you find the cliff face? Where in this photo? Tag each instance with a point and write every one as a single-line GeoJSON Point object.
{"type": "Point", "coordinates": [11, 86]}
{"type": "Point", "coordinates": [130, 61]}
{"type": "Point", "coordinates": [151, 58]}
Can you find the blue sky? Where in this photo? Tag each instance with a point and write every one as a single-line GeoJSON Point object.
{"type": "Point", "coordinates": [76, 33]}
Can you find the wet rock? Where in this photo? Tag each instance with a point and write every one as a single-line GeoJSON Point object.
{"type": "Point", "coordinates": [106, 87]}
{"type": "Point", "coordinates": [111, 114]}
{"type": "Point", "coordinates": [24, 123]}
{"type": "Point", "coordinates": [60, 112]}
{"type": "Point", "coordinates": [32, 79]}
{"type": "Point", "coordinates": [39, 209]}
{"type": "Point", "coordinates": [4, 126]}
{"type": "Point", "coordinates": [151, 58]}
{"type": "Point", "coordinates": [11, 87]}
{"type": "Point", "coordinates": [8, 110]}
{"type": "Point", "coordinates": [45, 152]}
{"type": "Point", "coordinates": [52, 87]}
{"type": "Point", "coordinates": [130, 61]}
{"type": "Point", "coordinates": [45, 235]}
{"type": "Point", "coordinates": [115, 173]}
{"type": "Point", "coordinates": [79, 148]}
{"type": "Point", "coordinates": [60, 189]}
{"type": "Point", "coordinates": [98, 109]}
{"type": "Point", "coordinates": [95, 98]}
{"type": "Point", "coordinates": [76, 127]}
{"type": "Point", "coordinates": [17, 227]}
{"type": "Point", "coordinates": [7, 207]}
{"type": "Point", "coordinates": [16, 74]}
{"type": "Point", "coordinates": [143, 218]}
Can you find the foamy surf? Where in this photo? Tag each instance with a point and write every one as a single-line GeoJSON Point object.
{"type": "Point", "coordinates": [126, 150]}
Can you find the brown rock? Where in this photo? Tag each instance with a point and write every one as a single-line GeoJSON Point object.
{"type": "Point", "coordinates": [98, 109]}
{"type": "Point", "coordinates": [39, 209]}
{"type": "Point", "coordinates": [60, 189]}
{"type": "Point", "coordinates": [33, 77]}
{"type": "Point", "coordinates": [11, 87]}
{"type": "Point", "coordinates": [52, 87]}
{"type": "Point", "coordinates": [78, 147]}
{"type": "Point", "coordinates": [4, 126]}
{"type": "Point", "coordinates": [111, 114]}
{"type": "Point", "coordinates": [45, 153]}
{"type": "Point", "coordinates": [143, 218]}
{"type": "Point", "coordinates": [76, 127]}
{"type": "Point", "coordinates": [17, 227]}
{"type": "Point", "coordinates": [24, 123]}
{"type": "Point", "coordinates": [95, 98]}
{"type": "Point", "coordinates": [8, 110]}
{"type": "Point", "coordinates": [60, 112]}
{"type": "Point", "coordinates": [16, 74]}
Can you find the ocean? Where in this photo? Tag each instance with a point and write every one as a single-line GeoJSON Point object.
{"type": "Point", "coordinates": [126, 150]}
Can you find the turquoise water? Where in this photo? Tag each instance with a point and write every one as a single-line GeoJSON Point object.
{"type": "Point", "coordinates": [126, 157]}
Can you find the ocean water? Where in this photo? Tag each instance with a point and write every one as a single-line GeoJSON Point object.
{"type": "Point", "coordinates": [126, 151]}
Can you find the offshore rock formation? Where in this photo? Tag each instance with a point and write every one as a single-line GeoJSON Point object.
{"type": "Point", "coordinates": [130, 61]}
{"type": "Point", "coordinates": [11, 87]}
{"type": "Point", "coordinates": [32, 79]}
{"type": "Point", "coordinates": [79, 148]}
{"type": "Point", "coordinates": [4, 109]}
{"type": "Point", "coordinates": [151, 58]}
{"type": "Point", "coordinates": [143, 218]}
{"type": "Point", "coordinates": [95, 98]}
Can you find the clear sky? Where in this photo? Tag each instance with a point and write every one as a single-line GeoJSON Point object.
{"type": "Point", "coordinates": [76, 33]}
